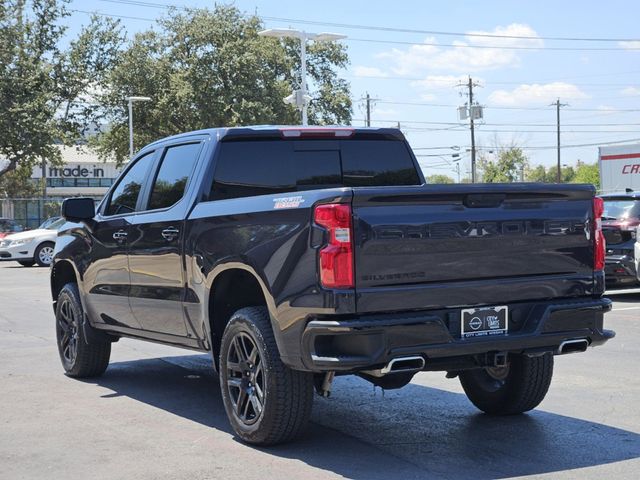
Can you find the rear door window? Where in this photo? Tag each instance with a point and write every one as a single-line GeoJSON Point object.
{"type": "Point", "coordinates": [170, 183]}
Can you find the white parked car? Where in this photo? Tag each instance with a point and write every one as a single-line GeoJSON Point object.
{"type": "Point", "coordinates": [33, 246]}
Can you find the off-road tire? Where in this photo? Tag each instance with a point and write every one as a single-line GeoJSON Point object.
{"type": "Point", "coordinates": [38, 254]}
{"type": "Point", "coordinates": [287, 395]}
{"type": "Point", "coordinates": [81, 355]}
{"type": "Point", "coordinates": [521, 389]}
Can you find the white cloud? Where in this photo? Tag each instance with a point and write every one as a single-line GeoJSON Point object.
{"type": "Point", "coordinates": [363, 71]}
{"type": "Point", "coordinates": [418, 59]}
{"type": "Point", "coordinates": [633, 44]}
{"type": "Point", "coordinates": [536, 94]}
{"type": "Point", "coordinates": [631, 91]}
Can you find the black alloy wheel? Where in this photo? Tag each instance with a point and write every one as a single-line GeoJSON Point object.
{"type": "Point", "coordinates": [245, 378]}
{"type": "Point", "coordinates": [266, 402]}
{"type": "Point", "coordinates": [67, 331]}
{"type": "Point", "coordinates": [82, 353]}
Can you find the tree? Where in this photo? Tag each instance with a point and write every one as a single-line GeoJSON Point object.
{"type": "Point", "coordinates": [587, 173]}
{"type": "Point", "coordinates": [17, 184]}
{"type": "Point", "coordinates": [42, 88]}
{"type": "Point", "coordinates": [209, 68]}
{"type": "Point", "coordinates": [439, 178]}
{"type": "Point", "coordinates": [507, 168]}
{"type": "Point", "coordinates": [537, 174]}
{"type": "Point", "coordinates": [549, 175]}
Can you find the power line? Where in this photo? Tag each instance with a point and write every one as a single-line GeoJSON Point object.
{"type": "Point", "coordinates": [497, 107]}
{"type": "Point", "coordinates": [528, 81]}
{"type": "Point", "coordinates": [395, 29]}
{"type": "Point", "coordinates": [399, 42]}
{"type": "Point", "coordinates": [491, 47]}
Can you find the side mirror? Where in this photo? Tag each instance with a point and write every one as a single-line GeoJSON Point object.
{"type": "Point", "coordinates": [78, 209]}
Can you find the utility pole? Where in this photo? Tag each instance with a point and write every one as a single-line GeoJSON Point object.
{"type": "Point", "coordinates": [472, 112]}
{"type": "Point", "coordinates": [368, 117]}
{"type": "Point", "coordinates": [473, 134]}
{"type": "Point", "coordinates": [557, 104]}
{"type": "Point", "coordinates": [368, 103]}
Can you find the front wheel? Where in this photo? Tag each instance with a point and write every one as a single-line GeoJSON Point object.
{"type": "Point", "coordinates": [26, 263]}
{"type": "Point", "coordinates": [267, 403]}
{"type": "Point", "coordinates": [81, 355]}
{"type": "Point", "coordinates": [516, 388]}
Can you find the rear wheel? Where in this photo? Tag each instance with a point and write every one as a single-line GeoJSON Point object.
{"type": "Point", "coordinates": [516, 388]}
{"type": "Point", "coordinates": [266, 402]}
{"type": "Point", "coordinates": [26, 263]}
{"type": "Point", "coordinates": [44, 254]}
{"type": "Point", "coordinates": [80, 357]}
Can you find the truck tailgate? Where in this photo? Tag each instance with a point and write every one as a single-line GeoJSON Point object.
{"type": "Point", "coordinates": [453, 245]}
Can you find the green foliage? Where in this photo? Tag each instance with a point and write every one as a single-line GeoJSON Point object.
{"type": "Point", "coordinates": [550, 174]}
{"type": "Point", "coordinates": [587, 173]}
{"type": "Point", "coordinates": [439, 178]}
{"type": "Point", "coordinates": [42, 88]}
{"type": "Point", "coordinates": [507, 168]}
{"type": "Point", "coordinates": [17, 184]}
{"type": "Point", "coordinates": [209, 68]}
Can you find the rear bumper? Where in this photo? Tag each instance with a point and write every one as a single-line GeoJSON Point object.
{"type": "Point", "coordinates": [361, 343]}
{"type": "Point", "coordinates": [620, 270]}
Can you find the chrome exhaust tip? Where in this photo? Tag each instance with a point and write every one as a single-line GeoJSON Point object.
{"type": "Point", "coordinates": [403, 364]}
{"type": "Point", "coordinates": [573, 346]}
{"type": "Point", "coordinates": [398, 365]}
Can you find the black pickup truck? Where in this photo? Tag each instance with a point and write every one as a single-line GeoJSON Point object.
{"type": "Point", "coordinates": [294, 254]}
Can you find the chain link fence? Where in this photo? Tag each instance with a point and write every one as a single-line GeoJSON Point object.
{"type": "Point", "coordinates": [30, 212]}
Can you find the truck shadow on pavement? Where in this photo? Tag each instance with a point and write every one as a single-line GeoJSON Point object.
{"type": "Point", "coordinates": [410, 433]}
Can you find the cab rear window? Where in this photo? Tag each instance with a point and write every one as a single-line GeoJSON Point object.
{"type": "Point", "coordinates": [259, 167]}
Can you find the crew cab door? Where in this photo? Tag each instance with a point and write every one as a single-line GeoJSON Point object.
{"type": "Point", "coordinates": [106, 277]}
{"type": "Point", "coordinates": [156, 242]}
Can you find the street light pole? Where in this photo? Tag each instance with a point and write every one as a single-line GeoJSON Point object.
{"type": "Point", "coordinates": [131, 100]}
{"type": "Point", "coordinates": [303, 78]}
{"type": "Point", "coordinates": [300, 97]}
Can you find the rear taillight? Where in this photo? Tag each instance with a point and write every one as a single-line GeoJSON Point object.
{"type": "Point", "coordinates": [599, 242]}
{"type": "Point", "coordinates": [336, 257]}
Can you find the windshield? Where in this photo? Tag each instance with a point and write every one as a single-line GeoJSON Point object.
{"type": "Point", "coordinates": [621, 209]}
{"type": "Point", "coordinates": [48, 222]}
{"type": "Point", "coordinates": [56, 224]}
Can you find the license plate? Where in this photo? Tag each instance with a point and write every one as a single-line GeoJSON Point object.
{"type": "Point", "coordinates": [485, 321]}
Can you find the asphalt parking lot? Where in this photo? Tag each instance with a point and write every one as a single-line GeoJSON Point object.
{"type": "Point", "coordinates": [157, 413]}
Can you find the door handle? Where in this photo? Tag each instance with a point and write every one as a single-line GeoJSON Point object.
{"type": "Point", "coordinates": [120, 235]}
{"type": "Point", "coordinates": [170, 233]}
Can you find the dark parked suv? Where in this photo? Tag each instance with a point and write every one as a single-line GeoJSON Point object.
{"type": "Point", "coordinates": [620, 220]}
{"type": "Point", "coordinates": [294, 254]}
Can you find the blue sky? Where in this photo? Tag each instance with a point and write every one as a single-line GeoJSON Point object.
{"type": "Point", "coordinates": [414, 74]}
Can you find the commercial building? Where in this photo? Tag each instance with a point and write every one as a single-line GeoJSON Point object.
{"type": "Point", "coordinates": [81, 174]}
